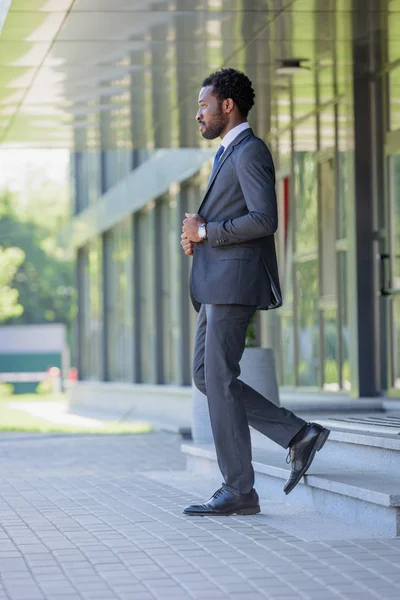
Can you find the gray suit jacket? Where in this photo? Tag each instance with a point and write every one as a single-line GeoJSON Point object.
{"type": "Point", "coordinates": [237, 264]}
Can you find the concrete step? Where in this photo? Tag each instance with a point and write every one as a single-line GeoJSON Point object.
{"type": "Point", "coordinates": [347, 491]}
{"type": "Point", "coordinates": [349, 448]}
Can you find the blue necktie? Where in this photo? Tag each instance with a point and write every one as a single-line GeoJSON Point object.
{"type": "Point", "coordinates": [216, 159]}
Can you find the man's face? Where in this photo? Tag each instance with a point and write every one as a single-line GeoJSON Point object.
{"type": "Point", "coordinates": [210, 116]}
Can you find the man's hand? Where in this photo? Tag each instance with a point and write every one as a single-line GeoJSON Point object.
{"type": "Point", "coordinates": [187, 245]}
{"type": "Point", "coordinates": [191, 226]}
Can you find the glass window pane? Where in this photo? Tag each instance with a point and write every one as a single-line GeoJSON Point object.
{"type": "Point", "coordinates": [305, 199]}
{"type": "Point", "coordinates": [395, 220]}
{"type": "Point", "coordinates": [344, 320]}
{"type": "Point", "coordinates": [396, 342]}
{"type": "Point", "coordinates": [283, 150]}
{"type": "Point", "coordinates": [287, 336]}
{"type": "Point", "coordinates": [91, 318]}
{"type": "Point", "coordinates": [327, 128]}
{"type": "Point", "coordinates": [345, 166]}
{"type": "Point", "coordinates": [394, 96]}
{"type": "Point", "coordinates": [96, 307]}
{"type": "Point", "coordinates": [304, 93]}
{"type": "Point", "coordinates": [119, 302]}
{"type": "Point", "coordinates": [394, 28]}
{"type": "Point", "coordinates": [325, 80]}
{"type": "Point", "coordinates": [146, 291]}
{"type": "Point", "coordinates": [331, 365]}
{"type": "Point", "coordinates": [328, 227]}
{"type": "Point", "coordinates": [308, 317]}
{"type": "Point", "coordinates": [170, 257]}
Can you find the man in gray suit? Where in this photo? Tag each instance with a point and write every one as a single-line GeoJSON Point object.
{"type": "Point", "coordinates": [234, 273]}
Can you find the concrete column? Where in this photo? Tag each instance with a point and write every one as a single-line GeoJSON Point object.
{"type": "Point", "coordinates": [362, 254]}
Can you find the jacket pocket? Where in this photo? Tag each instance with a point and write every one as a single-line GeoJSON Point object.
{"type": "Point", "coordinates": [236, 252]}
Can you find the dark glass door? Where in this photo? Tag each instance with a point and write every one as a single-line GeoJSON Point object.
{"type": "Point", "coordinates": [390, 279]}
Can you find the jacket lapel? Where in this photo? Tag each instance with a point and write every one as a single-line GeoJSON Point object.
{"type": "Point", "coordinates": [223, 158]}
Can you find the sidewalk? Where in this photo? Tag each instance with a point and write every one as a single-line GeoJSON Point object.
{"type": "Point", "coordinates": [100, 517]}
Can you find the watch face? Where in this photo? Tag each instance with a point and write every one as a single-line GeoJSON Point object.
{"type": "Point", "coordinates": [202, 231]}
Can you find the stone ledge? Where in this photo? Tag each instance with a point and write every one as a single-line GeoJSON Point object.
{"type": "Point", "coordinates": [387, 441]}
{"type": "Point", "coordinates": [166, 407]}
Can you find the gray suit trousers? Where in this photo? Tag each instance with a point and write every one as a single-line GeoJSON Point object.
{"type": "Point", "coordinates": [233, 405]}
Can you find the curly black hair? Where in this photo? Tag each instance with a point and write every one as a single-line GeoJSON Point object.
{"type": "Point", "coordinates": [230, 83]}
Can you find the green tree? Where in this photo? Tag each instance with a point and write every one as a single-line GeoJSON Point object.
{"type": "Point", "coordinates": [44, 279]}
{"type": "Point", "coordinates": [10, 260]}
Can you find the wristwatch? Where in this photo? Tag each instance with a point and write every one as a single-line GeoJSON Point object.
{"type": "Point", "coordinates": [202, 231]}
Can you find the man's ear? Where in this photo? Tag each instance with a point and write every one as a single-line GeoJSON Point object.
{"type": "Point", "coordinates": [228, 105]}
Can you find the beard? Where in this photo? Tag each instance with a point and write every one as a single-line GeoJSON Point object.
{"type": "Point", "coordinates": [215, 126]}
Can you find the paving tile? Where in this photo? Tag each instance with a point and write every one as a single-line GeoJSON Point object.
{"type": "Point", "coordinates": [100, 528]}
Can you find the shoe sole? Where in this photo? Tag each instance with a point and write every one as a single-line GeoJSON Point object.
{"type": "Point", "coordinates": [319, 444]}
{"type": "Point", "coordinates": [252, 510]}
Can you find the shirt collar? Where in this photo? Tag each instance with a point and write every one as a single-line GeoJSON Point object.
{"type": "Point", "coordinates": [233, 133]}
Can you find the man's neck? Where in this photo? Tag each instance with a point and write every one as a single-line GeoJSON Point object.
{"type": "Point", "coordinates": [230, 127]}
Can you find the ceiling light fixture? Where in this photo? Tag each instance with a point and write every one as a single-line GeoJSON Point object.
{"type": "Point", "coordinates": [291, 66]}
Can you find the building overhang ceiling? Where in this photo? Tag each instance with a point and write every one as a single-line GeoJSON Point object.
{"type": "Point", "coordinates": [73, 69]}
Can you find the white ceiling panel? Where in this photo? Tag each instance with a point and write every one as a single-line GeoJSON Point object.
{"type": "Point", "coordinates": [22, 54]}
{"type": "Point", "coordinates": [80, 53]}
{"type": "Point", "coordinates": [32, 26]}
{"type": "Point", "coordinates": [117, 5]}
{"type": "Point", "coordinates": [11, 97]}
{"type": "Point", "coordinates": [41, 5]}
{"type": "Point", "coordinates": [109, 26]}
{"type": "Point", "coordinates": [60, 58]}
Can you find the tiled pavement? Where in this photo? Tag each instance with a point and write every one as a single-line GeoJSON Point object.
{"type": "Point", "coordinates": [100, 517]}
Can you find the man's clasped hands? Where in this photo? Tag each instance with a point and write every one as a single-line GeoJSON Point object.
{"type": "Point", "coordinates": [190, 233]}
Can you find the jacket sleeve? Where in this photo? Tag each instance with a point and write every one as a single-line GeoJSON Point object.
{"type": "Point", "coordinates": [255, 171]}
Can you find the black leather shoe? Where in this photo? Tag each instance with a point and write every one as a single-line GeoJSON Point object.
{"type": "Point", "coordinates": [225, 502]}
{"type": "Point", "coordinates": [301, 453]}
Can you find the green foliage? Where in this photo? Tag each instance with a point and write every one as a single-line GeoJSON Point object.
{"type": "Point", "coordinates": [251, 332]}
{"type": "Point", "coordinates": [44, 387]}
{"type": "Point", "coordinates": [6, 389]}
{"type": "Point", "coordinates": [43, 281]}
{"type": "Point", "coordinates": [10, 259]}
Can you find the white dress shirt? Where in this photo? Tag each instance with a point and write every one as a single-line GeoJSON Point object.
{"type": "Point", "coordinates": [233, 133]}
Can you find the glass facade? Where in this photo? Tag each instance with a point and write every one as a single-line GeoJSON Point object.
{"type": "Point", "coordinates": [135, 302]}
{"type": "Point", "coordinates": [118, 297]}
{"type": "Point", "coordinates": [389, 213]}
{"type": "Point", "coordinates": [91, 314]}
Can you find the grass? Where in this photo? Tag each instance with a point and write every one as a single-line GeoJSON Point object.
{"type": "Point", "coordinates": [21, 420]}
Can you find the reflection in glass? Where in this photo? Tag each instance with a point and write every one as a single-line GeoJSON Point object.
{"type": "Point", "coordinates": [346, 167]}
{"type": "Point", "coordinates": [394, 98]}
{"type": "Point", "coordinates": [283, 151]}
{"type": "Point", "coordinates": [146, 296]}
{"type": "Point", "coordinates": [328, 231]}
{"type": "Point", "coordinates": [169, 290]}
{"type": "Point", "coordinates": [93, 176]}
{"type": "Point", "coordinates": [91, 318]}
{"type": "Point", "coordinates": [395, 268]}
{"type": "Point", "coordinates": [287, 337]}
{"type": "Point", "coordinates": [395, 220]}
{"type": "Point", "coordinates": [331, 365]}
{"type": "Point", "coordinates": [307, 293]}
{"type": "Point", "coordinates": [396, 342]}
{"type": "Point", "coordinates": [327, 128]}
{"type": "Point", "coordinates": [304, 93]}
{"type": "Point", "coordinates": [325, 81]}
{"type": "Point", "coordinates": [305, 172]}
{"type": "Point", "coordinates": [344, 331]}
{"type": "Point", "coordinates": [119, 315]}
